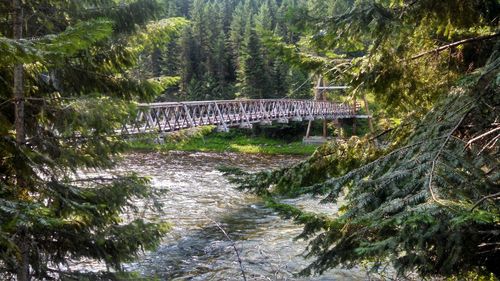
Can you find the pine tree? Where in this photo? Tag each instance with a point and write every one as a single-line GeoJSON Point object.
{"type": "Point", "coordinates": [264, 19]}
{"type": "Point", "coordinates": [66, 87]}
{"type": "Point", "coordinates": [427, 200]}
{"type": "Point", "coordinates": [190, 57]}
{"type": "Point", "coordinates": [237, 30]}
{"type": "Point", "coordinates": [211, 60]}
{"type": "Point", "coordinates": [253, 71]}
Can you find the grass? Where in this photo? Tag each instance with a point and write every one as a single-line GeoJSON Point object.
{"type": "Point", "coordinates": [203, 139]}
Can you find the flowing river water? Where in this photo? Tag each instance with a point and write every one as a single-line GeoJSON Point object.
{"type": "Point", "coordinates": [199, 200]}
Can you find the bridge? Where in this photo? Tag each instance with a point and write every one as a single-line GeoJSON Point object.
{"type": "Point", "coordinates": [173, 116]}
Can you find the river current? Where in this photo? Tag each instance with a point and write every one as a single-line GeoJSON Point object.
{"type": "Point", "coordinates": [200, 203]}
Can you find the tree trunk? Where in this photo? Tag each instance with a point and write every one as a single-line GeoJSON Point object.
{"type": "Point", "coordinates": [323, 98]}
{"type": "Point", "coordinates": [18, 90]}
{"type": "Point", "coordinates": [155, 62]}
{"type": "Point", "coordinates": [18, 93]}
{"type": "Point", "coordinates": [23, 266]}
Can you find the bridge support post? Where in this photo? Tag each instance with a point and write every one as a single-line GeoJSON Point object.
{"type": "Point", "coordinates": [325, 129]}
{"type": "Point", "coordinates": [222, 127]}
{"type": "Point", "coordinates": [354, 119]}
{"type": "Point", "coordinates": [245, 121]}
{"type": "Point", "coordinates": [266, 120]}
{"type": "Point", "coordinates": [370, 124]}
{"type": "Point", "coordinates": [317, 96]}
{"type": "Point", "coordinates": [190, 121]}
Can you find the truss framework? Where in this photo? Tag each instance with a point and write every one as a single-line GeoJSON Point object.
{"type": "Point", "coordinates": [174, 116]}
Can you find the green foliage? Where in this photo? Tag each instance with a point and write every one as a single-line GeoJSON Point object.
{"type": "Point", "coordinates": [426, 197]}
{"type": "Point", "coordinates": [419, 205]}
{"type": "Point", "coordinates": [78, 86]}
{"type": "Point", "coordinates": [221, 53]}
{"type": "Point", "coordinates": [157, 33]}
{"type": "Point", "coordinates": [330, 160]}
{"type": "Point", "coordinates": [390, 33]}
{"type": "Point", "coordinates": [204, 139]}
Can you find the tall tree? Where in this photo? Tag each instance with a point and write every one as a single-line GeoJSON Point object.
{"type": "Point", "coordinates": [427, 200]}
{"type": "Point", "coordinates": [67, 63]}
{"type": "Point", "coordinates": [253, 70]}
{"type": "Point", "coordinates": [237, 31]}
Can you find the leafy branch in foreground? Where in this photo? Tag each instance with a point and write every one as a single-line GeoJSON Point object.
{"type": "Point", "coordinates": [425, 204]}
{"type": "Point", "coordinates": [65, 89]}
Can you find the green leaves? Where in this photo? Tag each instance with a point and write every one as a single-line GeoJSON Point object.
{"type": "Point", "coordinates": [157, 33]}
{"type": "Point", "coordinates": [410, 204]}
{"type": "Point", "coordinates": [52, 47]}
{"type": "Point", "coordinates": [74, 39]}
{"type": "Point", "coordinates": [78, 90]}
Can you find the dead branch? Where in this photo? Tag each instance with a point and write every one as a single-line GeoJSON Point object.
{"type": "Point", "coordinates": [482, 136]}
{"type": "Point", "coordinates": [234, 247]}
{"type": "Point", "coordinates": [454, 44]}
{"type": "Point", "coordinates": [490, 144]}
{"type": "Point", "coordinates": [382, 133]}
{"type": "Point", "coordinates": [491, 196]}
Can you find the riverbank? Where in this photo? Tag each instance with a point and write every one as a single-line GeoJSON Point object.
{"type": "Point", "coordinates": [204, 139]}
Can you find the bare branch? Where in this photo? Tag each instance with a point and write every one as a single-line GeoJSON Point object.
{"type": "Point", "coordinates": [491, 196]}
{"type": "Point", "coordinates": [482, 136]}
{"type": "Point", "coordinates": [454, 44]}
{"type": "Point", "coordinates": [234, 247]}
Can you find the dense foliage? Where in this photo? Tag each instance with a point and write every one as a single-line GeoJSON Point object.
{"type": "Point", "coordinates": [222, 53]}
{"type": "Point", "coordinates": [424, 195]}
{"type": "Point", "coordinates": [67, 81]}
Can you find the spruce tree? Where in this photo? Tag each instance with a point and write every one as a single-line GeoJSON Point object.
{"type": "Point", "coordinates": [253, 71]}
{"type": "Point", "coordinates": [237, 31]}
{"type": "Point", "coordinates": [65, 88]}
{"type": "Point", "coordinates": [426, 197]}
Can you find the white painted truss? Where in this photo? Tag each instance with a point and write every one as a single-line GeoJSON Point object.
{"type": "Point", "coordinates": [173, 116]}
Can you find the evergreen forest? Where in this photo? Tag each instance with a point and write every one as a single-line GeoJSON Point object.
{"type": "Point", "coordinates": [418, 189]}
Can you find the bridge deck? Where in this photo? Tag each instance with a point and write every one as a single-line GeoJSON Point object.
{"type": "Point", "coordinates": [174, 116]}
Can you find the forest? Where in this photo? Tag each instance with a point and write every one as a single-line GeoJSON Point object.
{"type": "Point", "coordinates": [419, 192]}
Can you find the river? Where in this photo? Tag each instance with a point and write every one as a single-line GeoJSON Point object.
{"type": "Point", "coordinates": [199, 199]}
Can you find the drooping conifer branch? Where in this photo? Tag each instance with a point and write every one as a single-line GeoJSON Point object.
{"type": "Point", "coordinates": [438, 154]}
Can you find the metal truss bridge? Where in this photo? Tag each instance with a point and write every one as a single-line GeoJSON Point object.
{"type": "Point", "coordinates": [173, 116]}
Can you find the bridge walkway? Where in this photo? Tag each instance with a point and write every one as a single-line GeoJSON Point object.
{"type": "Point", "coordinates": [173, 116]}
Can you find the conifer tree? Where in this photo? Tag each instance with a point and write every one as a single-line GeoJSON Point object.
{"type": "Point", "coordinates": [427, 200]}
{"type": "Point", "coordinates": [65, 88]}
{"type": "Point", "coordinates": [237, 30]}
{"type": "Point", "coordinates": [253, 71]}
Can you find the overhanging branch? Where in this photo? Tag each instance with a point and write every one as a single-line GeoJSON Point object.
{"type": "Point", "coordinates": [454, 44]}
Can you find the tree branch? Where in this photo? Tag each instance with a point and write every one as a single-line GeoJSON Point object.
{"type": "Point", "coordinates": [494, 195]}
{"type": "Point", "coordinates": [234, 247]}
{"type": "Point", "coordinates": [469, 143]}
{"type": "Point", "coordinates": [454, 44]}
{"type": "Point", "coordinates": [381, 134]}
{"type": "Point", "coordinates": [434, 161]}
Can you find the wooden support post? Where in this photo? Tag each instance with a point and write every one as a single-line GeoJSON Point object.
{"type": "Point", "coordinates": [354, 119]}
{"type": "Point", "coordinates": [370, 124]}
{"type": "Point", "coordinates": [316, 95]}
{"type": "Point", "coordinates": [308, 128]}
{"type": "Point", "coordinates": [323, 98]}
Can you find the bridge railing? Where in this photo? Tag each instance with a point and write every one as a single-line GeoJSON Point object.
{"type": "Point", "coordinates": [173, 116]}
